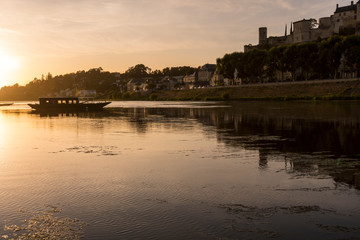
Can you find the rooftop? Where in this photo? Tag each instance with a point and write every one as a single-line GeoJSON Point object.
{"type": "Point", "coordinates": [352, 7]}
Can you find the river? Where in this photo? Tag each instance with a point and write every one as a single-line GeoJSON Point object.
{"type": "Point", "coordinates": [183, 170]}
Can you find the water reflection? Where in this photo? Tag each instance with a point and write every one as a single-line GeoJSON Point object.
{"type": "Point", "coordinates": [311, 138]}
{"type": "Point", "coordinates": [3, 132]}
{"type": "Point", "coordinates": [203, 172]}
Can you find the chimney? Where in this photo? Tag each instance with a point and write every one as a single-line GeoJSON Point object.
{"type": "Point", "coordinates": [337, 6]}
{"type": "Point", "coordinates": [352, 3]}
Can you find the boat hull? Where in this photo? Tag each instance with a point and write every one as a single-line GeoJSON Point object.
{"type": "Point", "coordinates": [5, 104]}
{"type": "Point", "coordinates": [80, 107]}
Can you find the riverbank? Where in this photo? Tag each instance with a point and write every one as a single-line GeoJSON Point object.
{"type": "Point", "coordinates": [307, 90]}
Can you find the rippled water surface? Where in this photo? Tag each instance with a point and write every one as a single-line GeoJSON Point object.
{"type": "Point", "coordinates": [174, 170]}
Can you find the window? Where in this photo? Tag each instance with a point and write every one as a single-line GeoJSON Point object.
{"type": "Point", "coordinates": [59, 101]}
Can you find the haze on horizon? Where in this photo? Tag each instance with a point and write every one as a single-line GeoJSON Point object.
{"type": "Point", "coordinates": [41, 36]}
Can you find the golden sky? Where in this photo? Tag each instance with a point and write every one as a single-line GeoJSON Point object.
{"type": "Point", "coordinates": [63, 36]}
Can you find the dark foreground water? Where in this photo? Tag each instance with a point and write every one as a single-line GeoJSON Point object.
{"type": "Point", "coordinates": [158, 170]}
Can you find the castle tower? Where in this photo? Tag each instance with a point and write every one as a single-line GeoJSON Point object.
{"type": "Point", "coordinates": [262, 35]}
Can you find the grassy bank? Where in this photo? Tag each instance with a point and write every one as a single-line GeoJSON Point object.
{"type": "Point", "coordinates": [326, 90]}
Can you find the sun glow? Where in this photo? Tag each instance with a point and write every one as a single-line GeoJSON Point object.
{"type": "Point", "coordinates": [8, 67]}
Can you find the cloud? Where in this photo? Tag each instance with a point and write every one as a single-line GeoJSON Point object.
{"type": "Point", "coordinates": [284, 4]}
{"type": "Point", "coordinates": [10, 32]}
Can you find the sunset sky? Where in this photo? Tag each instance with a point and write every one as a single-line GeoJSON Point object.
{"type": "Point", "coordinates": [63, 36]}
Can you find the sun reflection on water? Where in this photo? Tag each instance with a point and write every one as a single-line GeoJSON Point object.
{"type": "Point", "coordinates": [3, 131]}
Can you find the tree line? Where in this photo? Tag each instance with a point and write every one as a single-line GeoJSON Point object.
{"type": "Point", "coordinates": [323, 59]}
{"type": "Point", "coordinates": [93, 79]}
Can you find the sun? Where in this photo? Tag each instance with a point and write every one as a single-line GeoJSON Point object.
{"type": "Point", "coordinates": [8, 67]}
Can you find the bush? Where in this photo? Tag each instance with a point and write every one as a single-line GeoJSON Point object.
{"type": "Point", "coordinates": [153, 97]}
{"type": "Point", "coordinates": [225, 96]}
{"type": "Point", "coordinates": [126, 95]}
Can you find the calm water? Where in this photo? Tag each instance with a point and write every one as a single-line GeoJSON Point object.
{"type": "Point", "coordinates": [158, 170]}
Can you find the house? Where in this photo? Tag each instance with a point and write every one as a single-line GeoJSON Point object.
{"type": "Point", "coordinates": [190, 78]}
{"type": "Point", "coordinates": [217, 80]}
{"type": "Point", "coordinates": [206, 72]}
{"type": "Point", "coordinates": [197, 85]}
{"type": "Point", "coordinates": [121, 85]}
{"type": "Point", "coordinates": [179, 80]}
{"type": "Point", "coordinates": [136, 84]}
{"type": "Point", "coordinates": [171, 82]}
{"type": "Point", "coordinates": [202, 77]}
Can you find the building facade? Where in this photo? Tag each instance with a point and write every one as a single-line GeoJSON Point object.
{"type": "Point", "coordinates": [206, 72]}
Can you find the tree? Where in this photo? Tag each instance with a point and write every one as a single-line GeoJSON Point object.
{"type": "Point", "coordinates": [330, 55]}
{"type": "Point", "coordinates": [226, 66]}
{"type": "Point", "coordinates": [276, 62]}
{"type": "Point", "coordinates": [151, 86]}
{"type": "Point", "coordinates": [256, 61]}
{"type": "Point", "coordinates": [291, 55]}
{"type": "Point", "coordinates": [307, 57]}
{"type": "Point", "coordinates": [138, 71]}
{"type": "Point", "coordinates": [178, 71]}
{"type": "Point", "coordinates": [351, 49]}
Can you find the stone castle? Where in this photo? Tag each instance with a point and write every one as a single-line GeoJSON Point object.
{"type": "Point", "coordinates": [345, 20]}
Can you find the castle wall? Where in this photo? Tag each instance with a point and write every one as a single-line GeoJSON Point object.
{"type": "Point", "coordinates": [325, 22]}
{"type": "Point", "coordinates": [302, 31]}
{"type": "Point", "coordinates": [274, 41]}
{"type": "Point", "coordinates": [321, 33]}
{"type": "Point", "coordinates": [347, 18]}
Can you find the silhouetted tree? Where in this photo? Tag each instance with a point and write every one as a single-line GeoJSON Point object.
{"type": "Point", "coordinates": [138, 71]}
{"type": "Point", "coordinates": [276, 62]}
{"type": "Point", "coordinates": [351, 49]}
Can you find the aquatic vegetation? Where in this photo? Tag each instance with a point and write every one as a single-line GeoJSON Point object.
{"type": "Point", "coordinates": [45, 225]}
{"type": "Point", "coordinates": [98, 150]}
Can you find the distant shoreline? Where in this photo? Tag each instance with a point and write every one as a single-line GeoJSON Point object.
{"type": "Point", "coordinates": [336, 89]}
{"type": "Point", "coordinates": [331, 89]}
